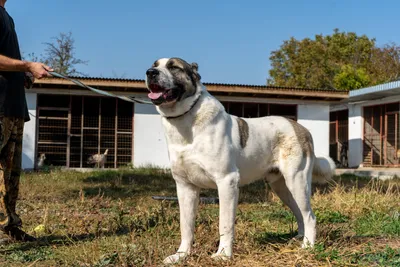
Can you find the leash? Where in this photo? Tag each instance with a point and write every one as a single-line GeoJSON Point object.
{"type": "Point", "coordinates": [101, 92]}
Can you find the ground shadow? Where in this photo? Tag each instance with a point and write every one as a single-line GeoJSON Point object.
{"type": "Point", "coordinates": [275, 238]}
{"type": "Point", "coordinates": [127, 184]}
{"type": "Point", "coordinates": [349, 182]}
{"type": "Point", "coordinates": [155, 182]}
{"type": "Point", "coordinates": [148, 182]}
{"type": "Point", "coordinates": [63, 240]}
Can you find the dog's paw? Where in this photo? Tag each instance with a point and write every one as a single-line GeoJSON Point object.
{"type": "Point", "coordinates": [176, 258]}
{"type": "Point", "coordinates": [296, 240]}
{"type": "Point", "coordinates": [307, 245]}
{"type": "Point", "coordinates": [220, 257]}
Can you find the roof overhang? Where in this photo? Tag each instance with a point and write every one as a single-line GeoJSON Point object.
{"type": "Point", "coordinates": [129, 87]}
{"type": "Point", "coordinates": [375, 92]}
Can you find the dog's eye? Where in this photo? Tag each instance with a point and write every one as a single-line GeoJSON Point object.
{"type": "Point", "coordinates": [174, 68]}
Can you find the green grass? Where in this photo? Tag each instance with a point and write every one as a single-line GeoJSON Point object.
{"type": "Point", "coordinates": [109, 219]}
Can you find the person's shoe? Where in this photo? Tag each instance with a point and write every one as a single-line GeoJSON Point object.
{"type": "Point", "coordinates": [18, 234]}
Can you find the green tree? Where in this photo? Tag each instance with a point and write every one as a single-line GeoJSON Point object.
{"type": "Point", "coordinates": [350, 77]}
{"type": "Point", "coordinates": [342, 60]}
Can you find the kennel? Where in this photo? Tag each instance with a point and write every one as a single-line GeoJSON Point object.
{"type": "Point", "coordinates": [72, 128]}
{"type": "Point", "coordinates": [381, 135]}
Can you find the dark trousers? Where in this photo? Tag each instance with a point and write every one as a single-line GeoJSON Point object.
{"type": "Point", "coordinates": [11, 134]}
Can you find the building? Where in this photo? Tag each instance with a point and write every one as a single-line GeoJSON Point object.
{"type": "Point", "coordinates": [373, 125]}
{"type": "Point", "coordinates": [69, 123]}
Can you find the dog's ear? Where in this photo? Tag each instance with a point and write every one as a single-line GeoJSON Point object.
{"type": "Point", "coordinates": [195, 69]}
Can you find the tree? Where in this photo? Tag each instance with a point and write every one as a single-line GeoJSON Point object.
{"type": "Point", "coordinates": [385, 63]}
{"type": "Point", "coordinates": [350, 77]}
{"type": "Point", "coordinates": [341, 60]}
{"type": "Point", "coordinates": [60, 55]}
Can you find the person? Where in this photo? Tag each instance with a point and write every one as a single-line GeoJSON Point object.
{"type": "Point", "coordinates": [13, 114]}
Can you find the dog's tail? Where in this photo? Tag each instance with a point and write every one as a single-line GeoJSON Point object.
{"type": "Point", "coordinates": [324, 169]}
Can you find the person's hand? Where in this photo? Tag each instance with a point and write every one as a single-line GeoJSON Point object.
{"type": "Point", "coordinates": [39, 70]}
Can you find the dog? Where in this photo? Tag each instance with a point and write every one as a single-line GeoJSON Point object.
{"type": "Point", "coordinates": [41, 160]}
{"type": "Point", "coordinates": [98, 159]}
{"type": "Point", "coordinates": [209, 148]}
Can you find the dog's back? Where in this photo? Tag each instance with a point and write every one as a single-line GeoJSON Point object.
{"type": "Point", "coordinates": [266, 144]}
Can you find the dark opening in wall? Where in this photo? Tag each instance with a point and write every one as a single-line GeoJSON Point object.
{"type": "Point", "coordinates": [254, 110]}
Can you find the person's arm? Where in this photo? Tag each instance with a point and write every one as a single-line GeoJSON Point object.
{"type": "Point", "coordinates": [9, 64]}
{"type": "Point", "coordinates": [39, 70]}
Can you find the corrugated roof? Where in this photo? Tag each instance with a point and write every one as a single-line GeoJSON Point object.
{"type": "Point", "coordinates": [262, 87]}
{"type": "Point", "coordinates": [374, 89]}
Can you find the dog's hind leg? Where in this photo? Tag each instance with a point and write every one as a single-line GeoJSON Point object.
{"type": "Point", "coordinates": [280, 188]}
{"type": "Point", "coordinates": [228, 192]}
{"type": "Point", "coordinates": [298, 181]}
{"type": "Point", "coordinates": [188, 198]}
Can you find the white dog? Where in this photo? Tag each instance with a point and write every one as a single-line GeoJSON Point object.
{"type": "Point", "coordinates": [208, 148]}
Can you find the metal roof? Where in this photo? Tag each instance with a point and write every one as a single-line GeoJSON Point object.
{"type": "Point", "coordinates": [214, 83]}
{"type": "Point", "coordinates": [375, 92]}
{"type": "Point", "coordinates": [244, 90]}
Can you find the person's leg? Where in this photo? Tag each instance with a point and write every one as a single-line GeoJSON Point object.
{"type": "Point", "coordinates": [6, 125]}
{"type": "Point", "coordinates": [15, 174]}
{"type": "Point", "coordinates": [13, 228]}
{"type": "Point", "coordinates": [10, 165]}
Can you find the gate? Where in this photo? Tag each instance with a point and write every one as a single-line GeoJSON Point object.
{"type": "Point", "coordinates": [381, 135]}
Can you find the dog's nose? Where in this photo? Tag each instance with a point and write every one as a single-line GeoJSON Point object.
{"type": "Point", "coordinates": [151, 73]}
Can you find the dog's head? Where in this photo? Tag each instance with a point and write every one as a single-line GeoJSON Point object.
{"type": "Point", "coordinates": [171, 79]}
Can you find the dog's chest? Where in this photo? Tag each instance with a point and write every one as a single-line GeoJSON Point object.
{"type": "Point", "coordinates": [187, 166]}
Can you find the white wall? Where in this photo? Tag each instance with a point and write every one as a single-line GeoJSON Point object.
{"type": "Point", "coordinates": [355, 136]}
{"type": "Point", "coordinates": [315, 117]}
{"type": "Point", "coordinates": [149, 140]}
{"type": "Point", "coordinates": [28, 144]}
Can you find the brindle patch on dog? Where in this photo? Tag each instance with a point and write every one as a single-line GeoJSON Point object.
{"type": "Point", "coordinates": [304, 138]}
{"type": "Point", "coordinates": [243, 132]}
{"type": "Point", "coordinates": [185, 75]}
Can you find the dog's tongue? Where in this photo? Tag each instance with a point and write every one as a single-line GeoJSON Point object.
{"type": "Point", "coordinates": [155, 95]}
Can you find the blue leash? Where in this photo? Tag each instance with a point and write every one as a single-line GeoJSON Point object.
{"type": "Point", "coordinates": [101, 92]}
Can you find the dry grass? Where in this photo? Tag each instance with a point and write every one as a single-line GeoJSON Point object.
{"type": "Point", "coordinates": [109, 219]}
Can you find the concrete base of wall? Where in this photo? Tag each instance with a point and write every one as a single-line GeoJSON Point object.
{"type": "Point", "coordinates": [381, 173]}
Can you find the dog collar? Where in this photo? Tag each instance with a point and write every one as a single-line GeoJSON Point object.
{"type": "Point", "coordinates": [194, 103]}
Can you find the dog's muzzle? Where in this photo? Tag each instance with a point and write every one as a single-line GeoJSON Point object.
{"type": "Point", "coordinates": [159, 94]}
{"type": "Point", "coordinates": [152, 73]}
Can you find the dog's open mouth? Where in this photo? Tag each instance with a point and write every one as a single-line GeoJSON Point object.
{"type": "Point", "coordinates": [160, 94]}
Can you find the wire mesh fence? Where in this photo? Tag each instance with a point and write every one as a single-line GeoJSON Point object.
{"type": "Point", "coordinates": [71, 129]}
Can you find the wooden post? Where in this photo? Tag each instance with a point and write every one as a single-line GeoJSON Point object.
{"type": "Point", "coordinates": [396, 117]}
{"type": "Point", "coordinates": [382, 137]}
{"type": "Point", "coordinates": [372, 136]}
{"type": "Point", "coordinates": [99, 128]}
{"type": "Point", "coordinates": [37, 133]}
{"type": "Point", "coordinates": [69, 132]}
{"type": "Point", "coordinates": [82, 124]}
{"type": "Point", "coordinates": [337, 136]}
{"type": "Point", "coordinates": [133, 132]}
{"type": "Point", "coordinates": [116, 134]}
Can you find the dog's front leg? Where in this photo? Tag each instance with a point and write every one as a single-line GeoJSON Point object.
{"type": "Point", "coordinates": [228, 193]}
{"type": "Point", "coordinates": [188, 198]}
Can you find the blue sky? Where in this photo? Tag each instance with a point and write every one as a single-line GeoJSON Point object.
{"type": "Point", "coordinates": [230, 40]}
